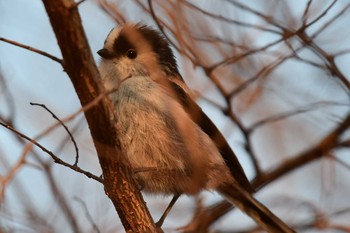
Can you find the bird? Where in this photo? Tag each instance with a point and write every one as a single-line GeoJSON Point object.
{"type": "Point", "coordinates": [171, 144]}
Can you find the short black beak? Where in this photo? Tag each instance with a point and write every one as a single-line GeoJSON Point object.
{"type": "Point", "coordinates": [104, 53]}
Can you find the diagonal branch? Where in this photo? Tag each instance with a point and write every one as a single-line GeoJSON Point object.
{"type": "Point", "coordinates": [45, 54]}
{"type": "Point", "coordinates": [202, 220]}
{"type": "Point", "coordinates": [119, 183]}
{"type": "Point", "coordinates": [328, 143]}
{"type": "Point", "coordinates": [52, 155]}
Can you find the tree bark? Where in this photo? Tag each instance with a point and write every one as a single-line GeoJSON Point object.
{"type": "Point", "coordinates": [119, 184]}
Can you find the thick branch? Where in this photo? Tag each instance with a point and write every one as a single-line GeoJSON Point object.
{"type": "Point", "coordinates": [79, 65]}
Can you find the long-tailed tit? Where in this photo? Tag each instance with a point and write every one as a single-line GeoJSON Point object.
{"type": "Point", "coordinates": [165, 135]}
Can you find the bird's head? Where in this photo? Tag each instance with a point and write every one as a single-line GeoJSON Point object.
{"type": "Point", "coordinates": [137, 50]}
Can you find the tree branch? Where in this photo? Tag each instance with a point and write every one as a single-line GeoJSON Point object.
{"type": "Point", "coordinates": [119, 183]}
{"type": "Point", "coordinates": [52, 155]}
{"type": "Point", "coordinates": [56, 59]}
{"type": "Point", "coordinates": [204, 218]}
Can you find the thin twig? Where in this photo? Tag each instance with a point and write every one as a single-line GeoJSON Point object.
{"type": "Point", "coordinates": [328, 58]}
{"type": "Point", "coordinates": [5, 180]}
{"type": "Point", "coordinates": [322, 14]}
{"type": "Point", "coordinates": [230, 21]}
{"type": "Point", "coordinates": [307, 108]}
{"type": "Point", "coordinates": [79, 2]}
{"type": "Point", "coordinates": [87, 214]}
{"type": "Point", "coordinates": [61, 122]}
{"type": "Point", "coordinates": [81, 110]}
{"type": "Point", "coordinates": [33, 50]}
{"type": "Point", "coordinates": [306, 12]}
{"type": "Point", "coordinates": [327, 143]}
{"type": "Point", "coordinates": [236, 58]}
{"type": "Point", "coordinates": [267, 18]}
{"type": "Point", "coordinates": [112, 11]}
{"type": "Point", "coordinates": [52, 155]}
{"type": "Point", "coordinates": [325, 25]}
{"type": "Point", "coordinates": [65, 127]}
{"type": "Point", "coordinates": [58, 194]}
{"type": "Point", "coordinates": [9, 98]}
{"type": "Point", "coordinates": [160, 25]}
{"type": "Point", "coordinates": [262, 73]}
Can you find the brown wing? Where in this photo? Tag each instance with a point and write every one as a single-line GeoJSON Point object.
{"type": "Point", "coordinates": [202, 120]}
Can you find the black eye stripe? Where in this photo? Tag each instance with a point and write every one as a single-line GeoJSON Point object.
{"type": "Point", "coordinates": [122, 45]}
{"type": "Point", "coordinates": [159, 45]}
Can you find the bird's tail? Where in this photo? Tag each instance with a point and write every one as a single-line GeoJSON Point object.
{"type": "Point", "coordinates": [252, 207]}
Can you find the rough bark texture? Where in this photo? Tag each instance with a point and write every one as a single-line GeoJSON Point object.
{"type": "Point", "coordinates": [79, 64]}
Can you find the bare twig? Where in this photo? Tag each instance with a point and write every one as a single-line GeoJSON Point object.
{"type": "Point", "coordinates": [269, 19]}
{"type": "Point", "coordinates": [55, 190]}
{"type": "Point", "coordinates": [52, 155]}
{"type": "Point", "coordinates": [306, 12]}
{"type": "Point", "coordinates": [160, 24]}
{"type": "Point", "coordinates": [229, 21]}
{"type": "Point", "coordinates": [244, 55]}
{"type": "Point", "coordinates": [63, 204]}
{"type": "Point", "coordinates": [65, 127]}
{"type": "Point", "coordinates": [330, 61]}
{"type": "Point", "coordinates": [322, 14]}
{"type": "Point", "coordinates": [9, 98]}
{"type": "Point", "coordinates": [87, 214]}
{"type": "Point", "coordinates": [329, 142]}
{"type": "Point", "coordinates": [45, 54]}
{"type": "Point", "coordinates": [331, 21]}
{"type": "Point", "coordinates": [112, 11]}
{"type": "Point", "coordinates": [60, 122]}
{"type": "Point", "coordinates": [85, 108]}
{"type": "Point", "coordinates": [5, 180]}
{"type": "Point", "coordinates": [79, 2]}
{"type": "Point", "coordinates": [304, 109]}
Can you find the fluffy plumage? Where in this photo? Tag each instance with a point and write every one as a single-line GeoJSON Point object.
{"type": "Point", "coordinates": [171, 144]}
{"type": "Point", "coordinates": [156, 132]}
{"type": "Point", "coordinates": [158, 118]}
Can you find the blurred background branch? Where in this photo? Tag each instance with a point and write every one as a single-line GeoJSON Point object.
{"type": "Point", "coordinates": [273, 75]}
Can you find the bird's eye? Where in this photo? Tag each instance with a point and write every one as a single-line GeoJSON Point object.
{"type": "Point", "coordinates": [131, 53]}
